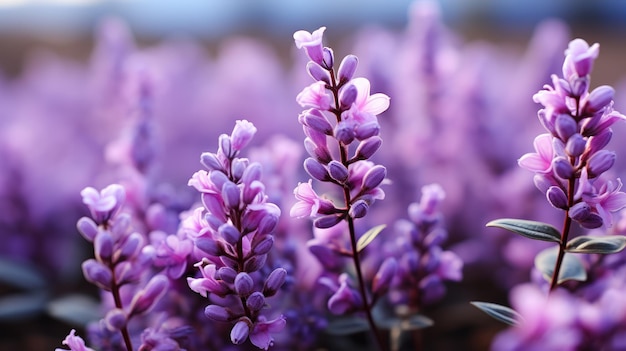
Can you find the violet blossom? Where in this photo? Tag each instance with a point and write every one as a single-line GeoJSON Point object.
{"type": "Point", "coordinates": [235, 238]}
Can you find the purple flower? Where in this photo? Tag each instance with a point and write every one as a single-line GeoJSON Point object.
{"type": "Point", "coordinates": [541, 160]}
{"type": "Point", "coordinates": [261, 334]}
{"type": "Point", "coordinates": [242, 134]}
{"type": "Point", "coordinates": [312, 44]}
{"type": "Point", "coordinates": [75, 343]}
{"type": "Point", "coordinates": [315, 96]}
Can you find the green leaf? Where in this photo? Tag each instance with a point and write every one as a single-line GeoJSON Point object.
{"type": "Point", "coordinates": [369, 236]}
{"type": "Point", "coordinates": [597, 244]}
{"type": "Point", "coordinates": [530, 229]}
{"type": "Point", "coordinates": [347, 326]}
{"type": "Point", "coordinates": [22, 306]}
{"type": "Point", "coordinates": [501, 313]}
{"type": "Point", "coordinates": [75, 309]}
{"type": "Point", "coordinates": [21, 275]}
{"type": "Point", "coordinates": [572, 267]}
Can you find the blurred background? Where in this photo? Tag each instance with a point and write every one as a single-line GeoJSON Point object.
{"type": "Point", "coordinates": [61, 111]}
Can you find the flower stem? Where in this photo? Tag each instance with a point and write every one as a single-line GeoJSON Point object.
{"type": "Point", "coordinates": [564, 235]}
{"type": "Point", "coordinates": [115, 290]}
{"type": "Point", "coordinates": [343, 150]}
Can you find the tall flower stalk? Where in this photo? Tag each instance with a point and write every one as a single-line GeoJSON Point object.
{"type": "Point", "coordinates": [340, 149]}
{"type": "Point", "coordinates": [234, 236]}
{"type": "Point", "coordinates": [570, 165]}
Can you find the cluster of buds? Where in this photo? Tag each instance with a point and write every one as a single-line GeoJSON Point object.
{"type": "Point", "coordinates": [342, 134]}
{"type": "Point", "coordinates": [119, 258]}
{"type": "Point", "coordinates": [569, 160]}
{"type": "Point", "coordinates": [348, 99]}
{"type": "Point", "coordinates": [423, 264]}
{"type": "Point", "coordinates": [233, 235]}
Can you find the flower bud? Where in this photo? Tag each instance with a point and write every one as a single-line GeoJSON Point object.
{"type": "Point", "coordinates": [210, 161]}
{"type": "Point", "coordinates": [87, 228]}
{"type": "Point", "coordinates": [600, 162]}
{"type": "Point", "coordinates": [218, 179]}
{"type": "Point", "coordinates": [430, 260]}
{"type": "Point", "coordinates": [562, 168]}
{"type": "Point", "coordinates": [274, 281]}
{"type": "Point", "coordinates": [256, 301]}
{"type": "Point", "coordinates": [565, 126]}
{"type": "Point", "coordinates": [328, 58]}
{"type": "Point", "coordinates": [209, 245]}
{"type": "Point", "coordinates": [97, 274]}
{"type": "Point", "coordinates": [557, 198]}
{"type": "Point", "coordinates": [316, 120]}
{"type": "Point", "coordinates": [242, 134]}
{"type": "Point", "coordinates": [244, 284]}
{"type": "Point", "coordinates": [579, 211]}
{"type": "Point", "coordinates": [347, 96]}
{"type": "Point", "coordinates": [599, 98]}
{"type": "Point", "coordinates": [115, 319]}
{"type": "Point", "coordinates": [231, 195]}
{"type": "Point", "coordinates": [103, 246]}
{"type": "Point", "coordinates": [344, 132]}
{"type": "Point", "coordinates": [317, 72]}
{"type": "Point", "coordinates": [229, 262]}
{"type": "Point", "coordinates": [131, 246]}
{"type": "Point", "coordinates": [327, 221]}
{"type": "Point", "coordinates": [263, 245]}
{"type": "Point", "coordinates": [316, 170]}
{"type": "Point", "coordinates": [229, 233]}
{"type": "Point", "coordinates": [240, 331]}
{"type": "Point", "coordinates": [347, 68]}
{"type": "Point", "coordinates": [368, 147]}
{"type": "Point", "coordinates": [578, 86]}
{"type": "Point", "coordinates": [254, 263]}
{"type": "Point", "coordinates": [599, 141]}
{"type": "Point", "coordinates": [225, 146]}
{"type": "Point", "coordinates": [384, 276]}
{"type": "Point", "coordinates": [126, 272]}
{"type": "Point", "coordinates": [238, 167]}
{"type": "Point", "coordinates": [358, 209]}
{"type": "Point", "coordinates": [373, 177]}
{"type": "Point", "coordinates": [227, 274]}
{"type": "Point", "coordinates": [367, 130]}
{"type": "Point", "coordinates": [218, 313]}
{"type": "Point", "coordinates": [253, 172]}
{"type": "Point", "coordinates": [147, 297]}
{"type": "Point", "coordinates": [338, 171]}
{"type": "Point", "coordinates": [575, 145]}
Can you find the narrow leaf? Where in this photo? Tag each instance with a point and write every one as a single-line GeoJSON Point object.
{"type": "Point", "coordinates": [530, 229]}
{"type": "Point", "coordinates": [597, 244]}
{"type": "Point", "coordinates": [21, 306]}
{"type": "Point", "coordinates": [369, 236]}
{"type": "Point", "coordinates": [501, 313]}
{"type": "Point", "coordinates": [572, 267]}
{"type": "Point", "coordinates": [347, 326]}
{"type": "Point", "coordinates": [20, 275]}
{"type": "Point", "coordinates": [75, 309]}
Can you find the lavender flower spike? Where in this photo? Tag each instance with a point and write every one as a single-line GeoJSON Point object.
{"type": "Point", "coordinates": [236, 238]}
{"type": "Point", "coordinates": [340, 111]}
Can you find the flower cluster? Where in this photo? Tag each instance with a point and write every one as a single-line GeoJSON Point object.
{"type": "Point", "coordinates": [423, 264]}
{"type": "Point", "coordinates": [340, 113]}
{"type": "Point", "coordinates": [233, 235]}
{"type": "Point", "coordinates": [120, 261]}
{"type": "Point", "coordinates": [570, 159]}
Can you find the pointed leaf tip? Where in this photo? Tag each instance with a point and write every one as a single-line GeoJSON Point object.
{"type": "Point", "coordinates": [369, 236]}
{"type": "Point", "coordinates": [597, 244]}
{"type": "Point", "coordinates": [501, 313]}
{"type": "Point", "coordinates": [530, 229]}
